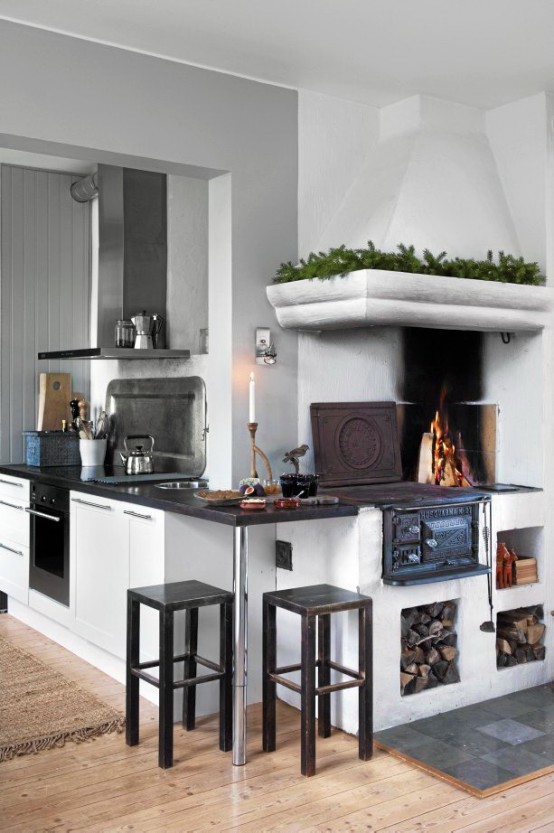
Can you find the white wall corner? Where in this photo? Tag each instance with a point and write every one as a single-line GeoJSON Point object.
{"type": "Point", "coordinates": [423, 112]}
{"type": "Point", "coordinates": [335, 138]}
{"type": "Point", "coordinates": [518, 136]}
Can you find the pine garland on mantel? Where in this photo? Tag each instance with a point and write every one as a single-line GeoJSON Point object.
{"type": "Point", "coordinates": [340, 261]}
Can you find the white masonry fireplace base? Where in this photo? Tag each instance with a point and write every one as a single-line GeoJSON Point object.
{"type": "Point", "coordinates": [349, 553]}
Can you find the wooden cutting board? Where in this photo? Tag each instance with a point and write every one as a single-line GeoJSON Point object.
{"type": "Point", "coordinates": [55, 392]}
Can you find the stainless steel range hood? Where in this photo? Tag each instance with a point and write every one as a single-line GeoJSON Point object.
{"type": "Point", "coordinates": [132, 260]}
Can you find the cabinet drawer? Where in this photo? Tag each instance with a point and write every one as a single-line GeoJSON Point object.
{"type": "Point", "coordinates": [14, 569]}
{"type": "Point", "coordinates": [14, 487]}
{"type": "Point", "coordinates": [14, 521]}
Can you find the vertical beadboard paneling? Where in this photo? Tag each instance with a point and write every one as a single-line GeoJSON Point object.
{"type": "Point", "coordinates": [45, 289]}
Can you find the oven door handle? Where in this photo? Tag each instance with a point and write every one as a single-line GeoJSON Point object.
{"type": "Point", "coordinates": [43, 515]}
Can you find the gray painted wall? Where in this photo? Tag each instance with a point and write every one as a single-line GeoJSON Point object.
{"type": "Point", "coordinates": [73, 98]}
{"type": "Point", "coordinates": [45, 285]}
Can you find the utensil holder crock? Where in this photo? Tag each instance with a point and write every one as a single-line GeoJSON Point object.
{"type": "Point", "coordinates": [93, 452]}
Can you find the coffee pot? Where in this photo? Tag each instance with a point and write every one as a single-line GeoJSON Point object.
{"type": "Point", "coordinates": [147, 329]}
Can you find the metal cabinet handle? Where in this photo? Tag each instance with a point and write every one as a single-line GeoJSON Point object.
{"type": "Point", "coordinates": [12, 483]}
{"type": "Point", "coordinates": [432, 542]}
{"type": "Point", "coordinates": [11, 505]}
{"type": "Point", "coordinates": [10, 549]}
{"type": "Point", "coordinates": [414, 530]}
{"type": "Point", "coordinates": [53, 518]}
{"type": "Point", "coordinates": [89, 503]}
{"type": "Point", "coordinates": [137, 515]}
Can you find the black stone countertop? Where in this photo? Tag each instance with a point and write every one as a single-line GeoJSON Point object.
{"type": "Point", "coordinates": [181, 501]}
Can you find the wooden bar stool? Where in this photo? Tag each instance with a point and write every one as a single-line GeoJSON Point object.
{"type": "Point", "coordinates": [315, 604]}
{"type": "Point", "coordinates": [166, 599]}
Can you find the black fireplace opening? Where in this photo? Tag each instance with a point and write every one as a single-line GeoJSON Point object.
{"type": "Point", "coordinates": [443, 374]}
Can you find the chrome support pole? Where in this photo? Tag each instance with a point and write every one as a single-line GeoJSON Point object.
{"type": "Point", "coordinates": [240, 627]}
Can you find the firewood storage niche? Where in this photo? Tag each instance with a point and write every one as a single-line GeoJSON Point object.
{"type": "Point", "coordinates": [429, 647]}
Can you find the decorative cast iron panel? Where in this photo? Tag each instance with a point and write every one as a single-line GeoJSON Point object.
{"type": "Point", "coordinates": [355, 442]}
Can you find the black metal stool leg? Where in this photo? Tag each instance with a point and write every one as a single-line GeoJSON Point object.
{"type": "Point", "coordinates": [307, 697]}
{"type": "Point", "coordinates": [190, 667]}
{"type": "Point", "coordinates": [269, 665]}
{"type": "Point", "coordinates": [165, 745]}
{"type": "Point", "coordinates": [132, 688]}
{"type": "Point", "coordinates": [365, 731]}
{"type": "Point", "coordinates": [324, 675]}
{"type": "Point", "coordinates": [226, 682]}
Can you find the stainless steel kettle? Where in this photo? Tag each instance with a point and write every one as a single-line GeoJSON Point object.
{"type": "Point", "coordinates": [138, 460]}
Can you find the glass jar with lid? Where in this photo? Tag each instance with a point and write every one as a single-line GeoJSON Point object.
{"type": "Point", "coordinates": [124, 333]}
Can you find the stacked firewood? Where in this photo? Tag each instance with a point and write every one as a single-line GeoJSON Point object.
{"type": "Point", "coordinates": [429, 651]}
{"type": "Point", "coordinates": [518, 636]}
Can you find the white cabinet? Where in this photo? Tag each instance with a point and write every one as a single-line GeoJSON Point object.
{"type": "Point", "coordinates": [146, 535]}
{"type": "Point", "coordinates": [99, 570]}
{"type": "Point", "coordinates": [14, 538]}
{"type": "Point", "coordinates": [114, 546]}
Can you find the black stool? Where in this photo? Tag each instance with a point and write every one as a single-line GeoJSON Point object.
{"type": "Point", "coordinates": [166, 599]}
{"type": "Point", "coordinates": [313, 603]}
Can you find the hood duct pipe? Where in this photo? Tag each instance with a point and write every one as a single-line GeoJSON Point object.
{"type": "Point", "coordinates": [85, 189]}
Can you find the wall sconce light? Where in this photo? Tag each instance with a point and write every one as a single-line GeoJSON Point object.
{"type": "Point", "coordinates": [265, 349]}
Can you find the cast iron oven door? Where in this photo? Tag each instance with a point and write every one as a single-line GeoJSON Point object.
{"type": "Point", "coordinates": [431, 543]}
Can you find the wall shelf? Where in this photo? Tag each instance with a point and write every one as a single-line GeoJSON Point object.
{"type": "Point", "coordinates": [372, 297]}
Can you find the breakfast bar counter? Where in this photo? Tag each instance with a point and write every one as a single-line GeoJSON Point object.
{"type": "Point", "coordinates": [185, 502]}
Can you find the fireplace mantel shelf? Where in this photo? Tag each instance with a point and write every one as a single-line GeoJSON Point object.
{"type": "Point", "coordinates": [369, 298]}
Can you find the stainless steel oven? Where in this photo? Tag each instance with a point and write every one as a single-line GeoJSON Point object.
{"type": "Point", "coordinates": [49, 539]}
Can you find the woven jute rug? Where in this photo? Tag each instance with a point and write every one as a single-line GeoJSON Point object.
{"type": "Point", "coordinates": [40, 708]}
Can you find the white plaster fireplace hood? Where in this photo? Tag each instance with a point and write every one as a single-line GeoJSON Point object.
{"type": "Point", "coordinates": [370, 298]}
{"type": "Point", "coordinates": [430, 180]}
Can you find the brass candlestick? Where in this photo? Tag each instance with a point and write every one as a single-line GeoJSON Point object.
{"type": "Point", "coordinates": [252, 426]}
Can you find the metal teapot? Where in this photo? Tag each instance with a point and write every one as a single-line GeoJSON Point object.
{"type": "Point", "coordinates": [138, 460]}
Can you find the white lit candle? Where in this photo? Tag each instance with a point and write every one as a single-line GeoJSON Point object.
{"type": "Point", "coordinates": [252, 400]}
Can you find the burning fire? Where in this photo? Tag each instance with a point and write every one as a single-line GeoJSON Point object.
{"type": "Point", "coordinates": [449, 465]}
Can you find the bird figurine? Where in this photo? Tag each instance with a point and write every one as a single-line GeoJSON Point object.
{"type": "Point", "coordinates": [292, 456]}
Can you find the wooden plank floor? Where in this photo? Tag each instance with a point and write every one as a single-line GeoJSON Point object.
{"type": "Point", "coordinates": [103, 785]}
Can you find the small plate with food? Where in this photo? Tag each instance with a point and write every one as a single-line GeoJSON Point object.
{"type": "Point", "coordinates": [253, 503]}
{"type": "Point", "coordinates": [219, 497]}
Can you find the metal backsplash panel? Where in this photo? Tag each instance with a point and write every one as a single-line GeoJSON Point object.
{"type": "Point", "coordinates": [173, 411]}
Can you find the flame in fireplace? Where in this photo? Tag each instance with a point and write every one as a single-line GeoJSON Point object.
{"type": "Point", "coordinates": [449, 462]}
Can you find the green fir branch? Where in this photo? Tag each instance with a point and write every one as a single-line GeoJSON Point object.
{"type": "Point", "coordinates": [341, 261]}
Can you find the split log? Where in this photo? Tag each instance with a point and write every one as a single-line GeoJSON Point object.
{"type": "Point", "coordinates": [406, 683]}
{"type": "Point", "coordinates": [419, 655]}
{"type": "Point", "coordinates": [440, 668]}
{"type": "Point", "coordinates": [535, 633]}
{"type": "Point", "coordinates": [407, 656]}
{"type": "Point", "coordinates": [433, 656]}
{"type": "Point", "coordinates": [434, 610]}
{"type": "Point", "coordinates": [412, 638]}
{"type": "Point", "coordinates": [452, 675]}
{"type": "Point", "coordinates": [448, 612]}
{"type": "Point", "coordinates": [420, 683]}
{"type": "Point", "coordinates": [512, 634]}
{"type": "Point", "coordinates": [521, 655]}
{"type": "Point", "coordinates": [503, 646]}
{"type": "Point", "coordinates": [435, 628]}
{"type": "Point", "coordinates": [449, 638]}
{"type": "Point", "coordinates": [448, 653]}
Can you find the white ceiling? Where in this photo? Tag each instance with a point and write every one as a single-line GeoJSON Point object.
{"type": "Point", "coordinates": [479, 52]}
